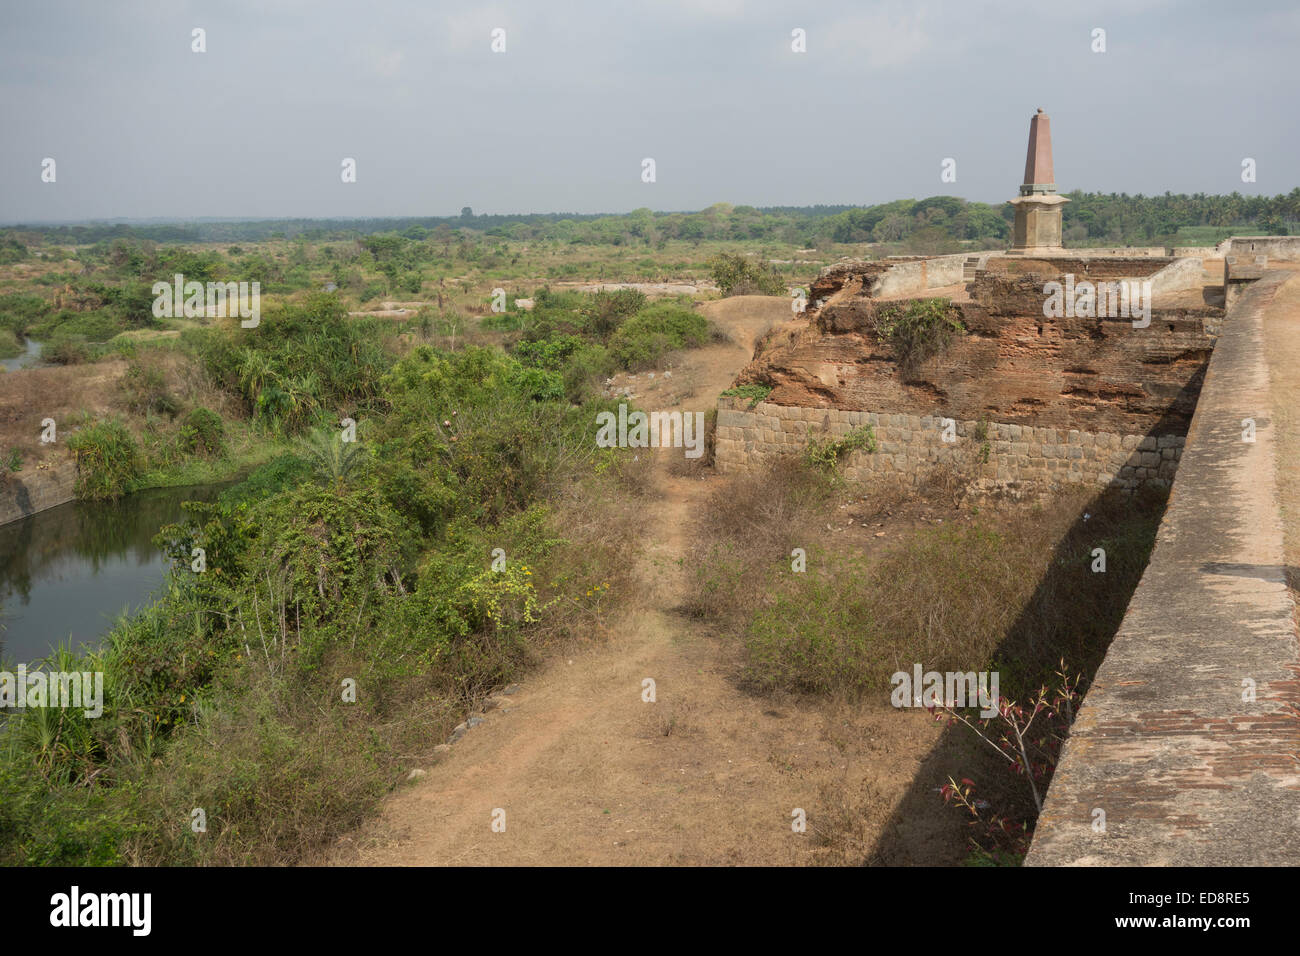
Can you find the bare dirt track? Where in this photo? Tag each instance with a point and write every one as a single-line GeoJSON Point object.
{"type": "Point", "coordinates": [586, 772]}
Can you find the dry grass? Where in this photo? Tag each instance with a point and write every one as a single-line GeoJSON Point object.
{"type": "Point", "coordinates": [75, 395]}
{"type": "Point", "coordinates": [751, 521]}
{"type": "Point", "coordinates": [895, 578]}
{"type": "Point", "coordinates": [66, 394]}
{"type": "Point", "coordinates": [596, 558]}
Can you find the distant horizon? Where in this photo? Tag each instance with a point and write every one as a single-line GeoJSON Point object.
{"type": "Point", "coordinates": [563, 214]}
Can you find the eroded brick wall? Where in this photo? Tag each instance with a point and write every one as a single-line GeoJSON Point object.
{"type": "Point", "coordinates": [1013, 364]}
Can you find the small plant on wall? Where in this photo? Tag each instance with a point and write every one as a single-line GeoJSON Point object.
{"type": "Point", "coordinates": [825, 453]}
{"type": "Point", "coordinates": [754, 392]}
{"type": "Point", "coordinates": [921, 330]}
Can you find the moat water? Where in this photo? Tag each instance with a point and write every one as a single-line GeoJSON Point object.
{"type": "Point", "coordinates": [31, 357]}
{"type": "Point", "coordinates": [67, 573]}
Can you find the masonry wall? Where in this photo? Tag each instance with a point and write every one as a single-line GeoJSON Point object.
{"type": "Point", "coordinates": [1280, 248]}
{"type": "Point", "coordinates": [1188, 738]}
{"type": "Point", "coordinates": [910, 447]}
{"type": "Point", "coordinates": [913, 277]}
{"type": "Point", "coordinates": [37, 491]}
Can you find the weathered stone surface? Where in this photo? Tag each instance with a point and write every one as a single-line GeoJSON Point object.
{"type": "Point", "coordinates": [1189, 768]}
{"type": "Point", "coordinates": [904, 446]}
{"type": "Point", "coordinates": [1015, 366]}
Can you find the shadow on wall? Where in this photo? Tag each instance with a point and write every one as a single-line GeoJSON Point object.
{"type": "Point", "coordinates": [1073, 614]}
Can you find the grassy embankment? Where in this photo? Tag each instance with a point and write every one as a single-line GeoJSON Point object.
{"type": "Point", "coordinates": [363, 566]}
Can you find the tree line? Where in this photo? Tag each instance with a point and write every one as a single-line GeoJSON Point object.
{"type": "Point", "coordinates": [1112, 218]}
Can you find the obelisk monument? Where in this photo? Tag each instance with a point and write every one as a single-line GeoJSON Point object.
{"type": "Point", "coordinates": [1038, 207]}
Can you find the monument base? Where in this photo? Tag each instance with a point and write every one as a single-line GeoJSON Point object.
{"type": "Point", "coordinates": [1038, 224]}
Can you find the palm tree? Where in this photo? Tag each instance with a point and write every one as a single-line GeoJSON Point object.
{"type": "Point", "coordinates": [332, 459]}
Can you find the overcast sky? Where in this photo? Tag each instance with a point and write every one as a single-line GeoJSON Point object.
{"type": "Point", "coordinates": [258, 125]}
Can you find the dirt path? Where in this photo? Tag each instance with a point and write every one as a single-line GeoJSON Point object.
{"type": "Point", "coordinates": [586, 772]}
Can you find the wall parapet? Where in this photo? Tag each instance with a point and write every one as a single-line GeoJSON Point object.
{"type": "Point", "coordinates": [1187, 740]}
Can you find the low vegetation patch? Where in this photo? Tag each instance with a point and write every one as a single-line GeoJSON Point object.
{"type": "Point", "coordinates": [746, 275]}
{"type": "Point", "coordinates": [202, 433]}
{"type": "Point", "coordinates": [753, 391]}
{"type": "Point", "coordinates": [1005, 586]}
{"type": "Point", "coordinates": [919, 331]}
{"type": "Point", "coordinates": [827, 453]}
{"type": "Point", "coordinates": [108, 459]}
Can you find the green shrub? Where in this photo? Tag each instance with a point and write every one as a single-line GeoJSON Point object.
{"type": "Point", "coordinates": [825, 453]}
{"type": "Point", "coordinates": [583, 372]}
{"type": "Point", "coordinates": [819, 640]}
{"type": "Point", "coordinates": [655, 331]}
{"type": "Point", "coordinates": [96, 325]}
{"type": "Point", "coordinates": [611, 308]}
{"type": "Point", "coordinates": [108, 460]}
{"type": "Point", "coordinates": [18, 311]}
{"type": "Point", "coordinates": [921, 330]}
{"type": "Point", "coordinates": [551, 353]}
{"type": "Point", "coordinates": [66, 350]}
{"type": "Point", "coordinates": [61, 826]}
{"type": "Point", "coordinates": [333, 461]}
{"type": "Point", "coordinates": [753, 391]}
{"type": "Point", "coordinates": [202, 433]}
{"type": "Point", "coordinates": [538, 384]}
{"type": "Point", "coordinates": [745, 275]}
{"type": "Point", "coordinates": [301, 362]}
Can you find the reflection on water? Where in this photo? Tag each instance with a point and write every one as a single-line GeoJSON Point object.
{"type": "Point", "coordinates": [31, 358]}
{"type": "Point", "coordinates": [66, 573]}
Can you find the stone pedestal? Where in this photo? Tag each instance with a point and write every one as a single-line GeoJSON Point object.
{"type": "Point", "coordinates": [1038, 223]}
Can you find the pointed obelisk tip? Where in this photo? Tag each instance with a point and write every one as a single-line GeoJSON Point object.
{"type": "Point", "coordinates": [1039, 177]}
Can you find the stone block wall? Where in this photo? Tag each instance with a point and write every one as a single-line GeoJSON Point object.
{"type": "Point", "coordinates": [908, 447]}
{"type": "Point", "coordinates": [916, 276]}
{"type": "Point", "coordinates": [1276, 248]}
{"type": "Point", "coordinates": [37, 490]}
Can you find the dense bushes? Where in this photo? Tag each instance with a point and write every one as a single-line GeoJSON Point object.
{"type": "Point", "coordinates": [370, 561]}
{"type": "Point", "coordinates": [644, 339]}
{"type": "Point", "coordinates": [744, 275]}
{"type": "Point", "coordinates": [202, 433]}
{"type": "Point", "coordinates": [301, 365]}
{"type": "Point", "coordinates": [108, 459]}
{"type": "Point", "coordinates": [582, 337]}
{"type": "Point", "coordinates": [19, 311]}
{"type": "Point", "coordinates": [471, 423]}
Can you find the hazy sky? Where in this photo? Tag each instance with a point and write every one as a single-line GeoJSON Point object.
{"type": "Point", "coordinates": [258, 125]}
